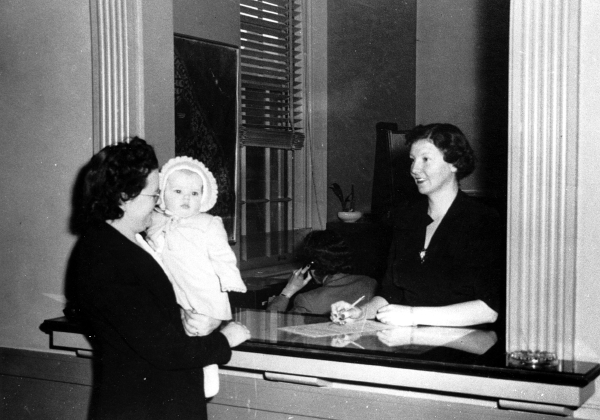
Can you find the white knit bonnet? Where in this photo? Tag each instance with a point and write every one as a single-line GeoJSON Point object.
{"type": "Point", "coordinates": [210, 189]}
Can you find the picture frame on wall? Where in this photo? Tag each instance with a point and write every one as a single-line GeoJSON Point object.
{"type": "Point", "coordinates": [206, 115]}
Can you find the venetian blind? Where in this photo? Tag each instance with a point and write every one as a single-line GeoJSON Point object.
{"type": "Point", "coordinates": [271, 74]}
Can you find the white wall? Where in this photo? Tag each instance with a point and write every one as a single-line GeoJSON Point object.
{"type": "Point", "coordinates": [588, 181]}
{"type": "Point", "coordinates": [158, 72]}
{"type": "Point", "coordinates": [462, 78]}
{"type": "Point", "coordinates": [216, 20]}
{"type": "Point", "coordinates": [587, 295]}
{"type": "Point", "coordinates": [46, 120]}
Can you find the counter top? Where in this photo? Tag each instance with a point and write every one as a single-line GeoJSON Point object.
{"type": "Point", "coordinates": [464, 361]}
{"type": "Point", "coordinates": [452, 350]}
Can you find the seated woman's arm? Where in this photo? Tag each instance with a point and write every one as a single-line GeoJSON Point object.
{"type": "Point", "coordinates": [457, 315]}
{"type": "Point", "coordinates": [279, 303]}
{"type": "Point", "coordinates": [464, 314]}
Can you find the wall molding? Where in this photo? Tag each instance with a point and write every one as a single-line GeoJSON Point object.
{"type": "Point", "coordinates": [542, 202]}
{"type": "Point", "coordinates": [117, 70]}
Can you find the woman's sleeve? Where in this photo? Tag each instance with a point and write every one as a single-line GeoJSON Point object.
{"type": "Point", "coordinates": [398, 216]}
{"type": "Point", "coordinates": [480, 264]}
{"type": "Point", "coordinates": [127, 313]}
{"type": "Point", "coordinates": [279, 303]}
{"type": "Point", "coordinates": [223, 259]}
{"type": "Point", "coordinates": [388, 290]}
{"type": "Point", "coordinates": [302, 305]}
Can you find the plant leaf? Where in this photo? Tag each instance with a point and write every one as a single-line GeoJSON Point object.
{"type": "Point", "coordinates": [337, 190]}
{"type": "Point", "coordinates": [349, 202]}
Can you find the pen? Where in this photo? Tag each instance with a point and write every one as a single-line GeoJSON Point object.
{"type": "Point", "coordinates": [357, 345]}
{"type": "Point", "coordinates": [355, 303]}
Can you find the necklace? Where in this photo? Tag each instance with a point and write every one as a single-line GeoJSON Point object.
{"type": "Point", "coordinates": [423, 254]}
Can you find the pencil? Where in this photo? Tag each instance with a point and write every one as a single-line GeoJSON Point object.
{"type": "Point", "coordinates": [357, 345]}
{"type": "Point", "coordinates": [355, 303]}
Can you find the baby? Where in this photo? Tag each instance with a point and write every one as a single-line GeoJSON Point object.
{"type": "Point", "coordinates": [193, 245]}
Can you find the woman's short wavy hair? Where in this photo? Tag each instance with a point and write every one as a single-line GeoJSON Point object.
{"type": "Point", "coordinates": [116, 174]}
{"type": "Point", "coordinates": [451, 141]}
{"type": "Point", "coordinates": [326, 252]}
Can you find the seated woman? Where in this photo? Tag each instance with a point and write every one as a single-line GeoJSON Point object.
{"type": "Point", "coordinates": [445, 262]}
{"type": "Point", "coordinates": [327, 259]}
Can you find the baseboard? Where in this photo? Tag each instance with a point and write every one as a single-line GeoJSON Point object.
{"type": "Point", "coordinates": [591, 409]}
{"type": "Point", "coordinates": [43, 385]}
{"type": "Point", "coordinates": [45, 366]}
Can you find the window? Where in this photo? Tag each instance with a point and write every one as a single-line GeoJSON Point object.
{"type": "Point", "coordinates": [272, 127]}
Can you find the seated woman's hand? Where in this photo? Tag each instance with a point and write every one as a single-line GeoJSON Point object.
{"type": "Point", "coordinates": [235, 333]}
{"type": "Point", "coordinates": [196, 324]}
{"type": "Point", "coordinates": [343, 312]}
{"type": "Point", "coordinates": [395, 315]}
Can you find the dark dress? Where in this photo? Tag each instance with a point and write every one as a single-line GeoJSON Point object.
{"type": "Point", "coordinates": [145, 366]}
{"type": "Point", "coordinates": [463, 261]}
{"type": "Point", "coordinates": [347, 287]}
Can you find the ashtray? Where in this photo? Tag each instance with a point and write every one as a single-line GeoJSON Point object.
{"type": "Point", "coordinates": [533, 359]}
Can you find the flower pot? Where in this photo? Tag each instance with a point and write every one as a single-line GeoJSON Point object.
{"type": "Point", "coordinates": [349, 216]}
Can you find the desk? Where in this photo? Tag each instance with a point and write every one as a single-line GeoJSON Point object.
{"type": "Point", "coordinates": [289, 365]}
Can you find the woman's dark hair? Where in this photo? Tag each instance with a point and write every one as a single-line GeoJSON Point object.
{"type": "Point", "coordinates": [326, 252]}
{"type": "Point", "coordinates": [451, 141]}
{"type": "Point", "coordinates": [115, 174]}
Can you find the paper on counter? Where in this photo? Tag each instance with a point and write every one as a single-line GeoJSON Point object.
{"type": "Point", "coordinates": [327, 329]}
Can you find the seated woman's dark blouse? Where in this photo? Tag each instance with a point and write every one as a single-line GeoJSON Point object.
{"type": "Point", "coordinates": [463, 261]}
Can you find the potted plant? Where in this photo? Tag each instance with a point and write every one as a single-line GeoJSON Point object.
{"type": "Point", "coordinates": [347, 214]}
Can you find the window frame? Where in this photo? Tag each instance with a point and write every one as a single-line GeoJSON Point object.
{"type": "Point", "coordinates": [308, 212]}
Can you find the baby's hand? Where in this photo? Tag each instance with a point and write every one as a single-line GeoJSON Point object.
{"type": "Point", "coordinates": [235, 333]}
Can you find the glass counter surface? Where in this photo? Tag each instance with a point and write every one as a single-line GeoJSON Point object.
{"type": "Point", "coordinates": [463, 351]}
{"type": "Point", "coordinates": [467, 351]}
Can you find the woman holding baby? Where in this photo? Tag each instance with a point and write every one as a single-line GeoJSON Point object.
{"type": "Point", "coordinates": [146, 366]}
